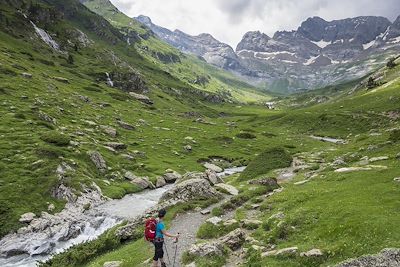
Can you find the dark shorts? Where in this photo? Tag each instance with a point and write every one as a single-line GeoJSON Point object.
{"type": "Point", "coordinates": [158, 249]}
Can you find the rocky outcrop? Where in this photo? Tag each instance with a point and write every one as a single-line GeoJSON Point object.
{"type": "Point", "coordinates": [233, 240]}
{"type": "Point", "coordinates": [27, 217]}
{"type": "Point", "coordinates": [267, 181]}
{"type": "Point", "coordinates": [42, 233]}
{"type": "Point", "coordinates": [128, 81]}
{"type": "Point", "coordinates": [98, 161]}
{"type": "Point", "coordinates": [389, 257]}
{"type": "Point", "coordinates": [189, 190]}
{"type": "Point", "coordinates": [141, 98]}
{"type": "Point", "coordinates": [228, 188]}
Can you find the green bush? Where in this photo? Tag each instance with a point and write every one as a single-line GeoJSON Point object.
{"type": "Point", "coordinates": [268, 160]}
{"type": "Point", "coordinates": [56, 138]}
{"type": "Point", "coordinates": [217, 211]}
{"type": "Point", "coordinates": [209, 230]}
{"type": "Point", "coordinates": [395, 136]}
{"type": "Point", "coordinates": [246, 136]}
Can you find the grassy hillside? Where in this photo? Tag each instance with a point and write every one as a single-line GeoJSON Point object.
{"type": "Point", "coordinates": [188, 68]}
{"type": "Point", "coordinates": [56, 105]}
{"type": "Point", "coordinates": [344, 215]}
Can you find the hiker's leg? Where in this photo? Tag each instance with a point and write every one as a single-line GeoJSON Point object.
{"type": "Point", "coordinates": [155, 258]}
{"type": "Point", "coordinates": [158, 253]}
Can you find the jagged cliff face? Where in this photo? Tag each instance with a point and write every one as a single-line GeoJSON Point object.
{"type": "Point", "coordinates": [318, 53]}
{"type": "Point", "coordinates": [204, 45]}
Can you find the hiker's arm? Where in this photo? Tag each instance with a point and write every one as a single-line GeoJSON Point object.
{"type": "Point", "coordinates": [168, 234]}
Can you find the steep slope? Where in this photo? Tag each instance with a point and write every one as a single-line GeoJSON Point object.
{"type": "Point", "coordinates": [204, 45]}
{"type": "Point", "coordinates": [72, 86]}
{"type": "Point", "coordinates": [191, 69]}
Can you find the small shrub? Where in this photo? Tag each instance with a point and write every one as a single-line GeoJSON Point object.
{"type": "Point", "coordinates": [46, 62]}
{"type": "Point", "coordinates": [209, 230]}
{"type": "Point", "coordinates": [118, 96]}
{"type": "Point", "coordinates": [223, 139]}
{"type": "Point", "coordinates": [217, 211]}
{"type": "Point", "coordinates": [269, 135]}
{"type": "Point", "coordinates": [391, 63]}
{"type": "Point", "coordinates": [20, 115]}
{"type": "Point", "coordinates": [7, 71]}
{"type": "Point", "coordinates": [92, 89]}
{"type": "Point", "coordinates": [246, 136]}
{"type": "Point", "coordinates": [56, 138]}
{"type": "Point", "coordinates": [395, 136]}
{"type": "Point", "coordinates": [268, 160]}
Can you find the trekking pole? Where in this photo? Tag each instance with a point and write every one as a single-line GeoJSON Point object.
{"type": "Point", "coordinates": [166, 250]}
{"type": "Point", "coordinates": [176, 248]}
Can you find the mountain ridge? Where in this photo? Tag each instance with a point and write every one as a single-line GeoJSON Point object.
{"type": "Point", "coordinates": [292, 57]}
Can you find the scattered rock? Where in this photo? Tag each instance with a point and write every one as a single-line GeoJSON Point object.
{"type": "Point", "coordinates": [126, 126]}
{"type": "Point", "coordinates": [110, 131]}
{"type": "Point", "coordinates": [51, 207]}
{"type": "Point", "coordinates": [230, 222]}
{"type": "Point", "coordinates": [229, 188]}
{"type": "Point", "coordinates": [353, 169]}
{"type": "Point", "coordinates": [205, 212]}
{"type": "Point", "coordinates": [98, 161]}
{"type": "Point", "coordinates": [61, 79]}
{"type": "Point", "coordinates": [389, 257]}
{"type": "Point", "coordinates": [116, 146]}
{"type": "Point", "coordinates": [188, 148]}
{"type": "Point", "coordinates": [160, 182]}
{"type": "Point", "coordinates": [212, 177]}
{"type": "Point", "coordinates": [301, 182]}
{"type": "Point", "coordinates": [27, 217]}
{"type": "Point", "coordinates": [26, 75]}
{"type": "Point", "coordinates": [130, 176]}
{"type": "Point", "coordinates": [212, 167]}
{"type": "Point", "coordinates": [378, 158]}
{"type": "Point", "coordinates": [193, 264]}
{"type": "Point", "coordinates": [278, 216]}
{"type": "Point", "coordinates": [397, 179]}
{"type": "Point", "coordinates": [255, 206]}
{"type": "Point", "coordinates": [142, 182]}
{"type": "Point", "coordinates": [284, 251]}
{"type": "Point", "coordinates": [112, 264]}
{"type": "Point", "coordinates": [207, 249]}
{"type": "Point", "coordinates": [272, 182]}
{"type": "Point", "coordinates": [248, 223]}
{"type": "Point", "coordinates": [172, 176]}
{"type": "Point", "coordinates": [234, 239]}
{"type": "Point", "coordinates": [141, 98]}
{"type": "Point", "coordinates": [312, 253]}
{"type": "Point", "coordinates": [214, 220]}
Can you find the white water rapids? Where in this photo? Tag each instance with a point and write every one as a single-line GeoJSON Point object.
{"type": "Point", "coordinates": [107, 215]}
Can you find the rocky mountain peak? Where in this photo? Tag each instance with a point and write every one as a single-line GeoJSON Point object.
{"type": "Point", "coordinates": [144, 19]}
{"type": "Point", "coordinates": [253, 40]}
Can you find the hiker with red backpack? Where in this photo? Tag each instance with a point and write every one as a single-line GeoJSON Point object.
{"type": "Point", "coordinates": [155, 232]}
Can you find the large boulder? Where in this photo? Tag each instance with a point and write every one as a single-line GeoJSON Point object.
{"type": "Point", "coordinates": [234, 239]}
{"type": "Point", "coordinates": [212, 167]}
{"type": "Point", "coordinates": [189, 190]}
{"type": "Point", "coordinates": [141, 98]}
{"type": "Point", "coordinates": [143, 183]}
{"type": "Point", "coordinates": [27, 217]}
{"type": "Point", "coordinates": [389, 257]}
{"type": "Point", "coordinates": [207, 249]}
{"type": "Point", "coordinates": [112, 264]}
{"type": "Point", "coordinates": [228, 188]}
{"type": "Point", "coordinates": [98, 161]}
{"type": "Point", "coordinates": [160, 182]}
{"type": "Point", "coordinates": [267, 181]}
{"type": "Point", "coordinates": [212, 177]}
{"type": "Point", "coordinates": [172, 176]}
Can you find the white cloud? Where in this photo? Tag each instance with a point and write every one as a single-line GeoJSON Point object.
{"type": "Point", "coordinates": [228, 20]}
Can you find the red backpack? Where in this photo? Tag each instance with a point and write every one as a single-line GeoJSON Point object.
{"type": "Point", "coordinates": [150, 229]}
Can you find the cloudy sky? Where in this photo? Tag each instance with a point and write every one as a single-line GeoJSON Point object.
{"type": "Point", "coordinates": [228, 20]}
